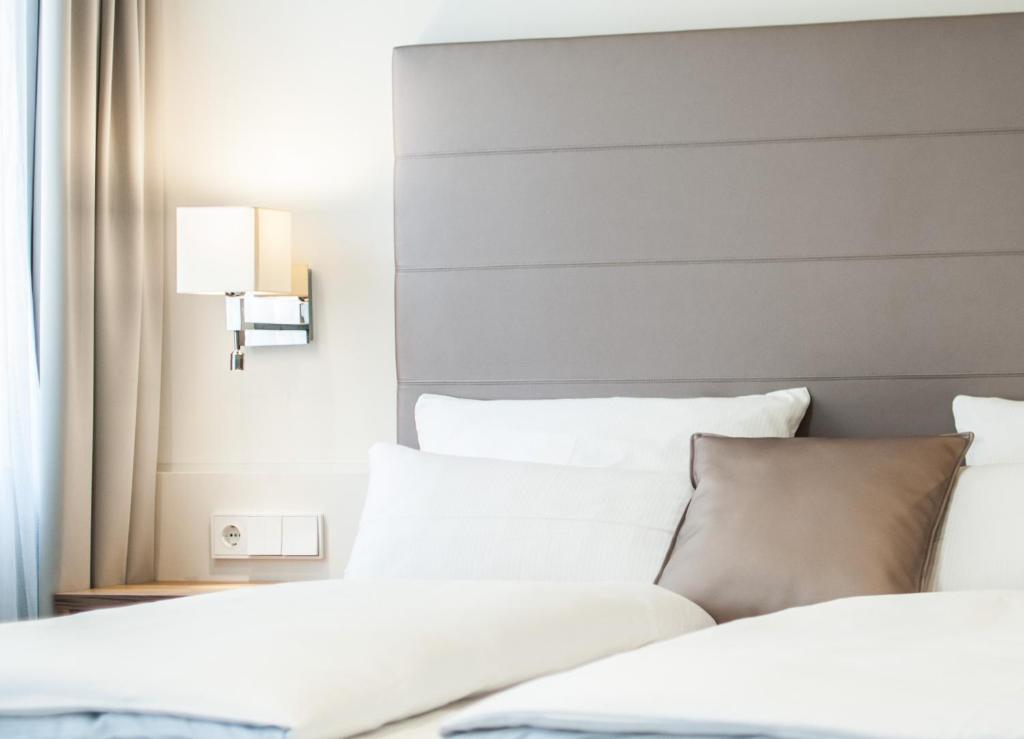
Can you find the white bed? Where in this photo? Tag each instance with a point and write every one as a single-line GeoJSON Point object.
{"type": "Point", "coordinates": [936, 665]}
{"type": "Point", "coordinates": [315, 659]}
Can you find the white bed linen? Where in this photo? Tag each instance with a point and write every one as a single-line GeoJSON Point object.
{"type": "Point", "coordinates": [630, 433]}
{"type": "Point", "coordinates": [980, 546]}
{"type": "Point", "coordinates": [329, 658]}
{"type": "Point", "coordinates": [998, 427]}
{"type": "Point", "coordinates": [937, 665]}
{"type": "Point", "coordinates": [434, 516]}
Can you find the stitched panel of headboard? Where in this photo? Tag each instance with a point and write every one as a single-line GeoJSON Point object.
{"type": "Point", "coordinates": [717, 212]}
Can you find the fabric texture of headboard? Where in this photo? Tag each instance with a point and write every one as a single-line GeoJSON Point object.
{"type": "Point", "coordinates": [716, 213]}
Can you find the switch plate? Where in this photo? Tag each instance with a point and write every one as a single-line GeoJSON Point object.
{"type": "Point", "coordinates": [266, 536]}
{"type": "Point", "coordinates": [300, 536]}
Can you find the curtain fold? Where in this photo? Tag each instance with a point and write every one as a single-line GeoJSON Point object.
{"type": "Point", "coordinates": [101, 375]}
{"type": "Point", "coordinates": [128, 296]}
{"type": "Point", "coordinates": [19, 503]}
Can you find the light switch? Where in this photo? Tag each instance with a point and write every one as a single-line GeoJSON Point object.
{"type": "Point", "coordinates": [300, 536]}
{"type": "Point", "coordinates": [264, 536]}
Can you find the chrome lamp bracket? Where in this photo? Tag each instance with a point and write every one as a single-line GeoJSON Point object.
{"type": "Point", "coordinates": [271, 320]}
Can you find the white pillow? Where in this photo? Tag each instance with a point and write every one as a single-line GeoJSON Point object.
{"type": "Point", "coordinates": [430, 516]}
{"type": "Point", "coordinates": [980, 546]}
{"type": "Point", "coordinates": [634, 433]}
{"type": "Point", "coordinates": [998, 427]}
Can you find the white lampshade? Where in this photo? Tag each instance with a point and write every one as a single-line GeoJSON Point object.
{"type": "Point", "coordinates": [234, 250]}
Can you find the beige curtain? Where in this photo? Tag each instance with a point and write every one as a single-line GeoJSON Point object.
{"type": "Point", "coordinates": [111, 317]}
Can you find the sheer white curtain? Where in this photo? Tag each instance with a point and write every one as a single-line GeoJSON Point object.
{"type": "Point", "coordinates": [19, 385]}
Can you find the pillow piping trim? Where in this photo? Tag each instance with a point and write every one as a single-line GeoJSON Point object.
{"type": "Point", "coordinates": [928, 563]}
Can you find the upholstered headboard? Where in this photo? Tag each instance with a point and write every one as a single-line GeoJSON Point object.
{"type": "Point", "coordinates": [714, 213]}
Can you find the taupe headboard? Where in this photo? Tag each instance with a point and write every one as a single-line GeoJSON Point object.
{"type": "Point", "coordinates": [714, 213]}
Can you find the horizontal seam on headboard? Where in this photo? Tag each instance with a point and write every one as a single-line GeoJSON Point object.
{"type": "Point", "coordinates": [712, 261]}
{"type": "Point", "coordinates": [672, 380]}
{"type": "Point", "coordinates": [709, 143]}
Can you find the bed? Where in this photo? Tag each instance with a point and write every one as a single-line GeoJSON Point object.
{"type": "Point", "coordinates": [712, 213]}
{"type": "Point", "coordinates": [316, 659]}
{"type": "Point", "coordinates": [937, 665]}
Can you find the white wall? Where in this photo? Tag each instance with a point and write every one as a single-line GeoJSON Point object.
{"type": "Point", "coordinates": [287, 103]}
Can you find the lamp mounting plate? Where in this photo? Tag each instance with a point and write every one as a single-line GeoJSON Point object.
{"type": "Point", "coordinates": [274, 320]}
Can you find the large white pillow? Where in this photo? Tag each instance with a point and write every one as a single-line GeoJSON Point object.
{"type": "Point", "coordinates": [430, 516]}
{"type": "Point", "coordinates": [980, 545]}
{"type": "Point", "coordinates": [998, 427]}
{"type": "Point", "coordinates": [634, 433]}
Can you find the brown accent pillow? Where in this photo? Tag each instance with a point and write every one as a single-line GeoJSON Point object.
{"type": "Point", "coordinates": [776, 523]}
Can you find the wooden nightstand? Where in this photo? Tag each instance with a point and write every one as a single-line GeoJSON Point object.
{"type": "Point", "coordinates": [77, 601]}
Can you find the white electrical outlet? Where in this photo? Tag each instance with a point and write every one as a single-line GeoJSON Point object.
{"type": "Point", "coordinates": [228, 537]}
{"type": "Point", "coordinates": [231, 535]}
{"type": "Point", "coordinates": [266, 535]}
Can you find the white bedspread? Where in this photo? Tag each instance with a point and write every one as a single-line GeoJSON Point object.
{"type": "Point", "coordinates": [328, 658]}
{"type": "Point", "coordinates": [936, 665]}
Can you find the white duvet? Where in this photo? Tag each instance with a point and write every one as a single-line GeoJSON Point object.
{"type": "Point", "coordinates": [933, 665]}
{"type": "Point", "coordinates": [328, 658]}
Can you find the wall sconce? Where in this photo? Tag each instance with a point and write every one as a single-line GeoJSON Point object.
{"type": "Point", "coordinates": [245, 254]}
